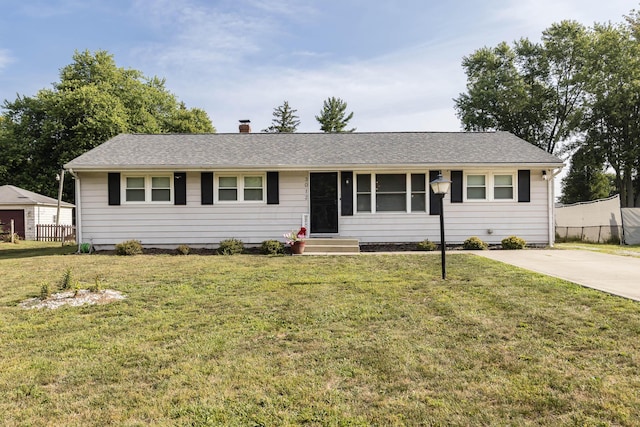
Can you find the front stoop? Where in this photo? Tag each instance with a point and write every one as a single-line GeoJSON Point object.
{"type": "Point", "coordinates": [330, 246]}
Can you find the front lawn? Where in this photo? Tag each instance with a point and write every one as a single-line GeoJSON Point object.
{"type": "Point", "coordinates": [363, 340]}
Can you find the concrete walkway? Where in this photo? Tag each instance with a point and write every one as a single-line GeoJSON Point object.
{"type": "Point", "coordinates": [615, 274]}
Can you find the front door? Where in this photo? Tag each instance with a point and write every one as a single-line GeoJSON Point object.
{"type": "Point", "coordinates": [324, 202]}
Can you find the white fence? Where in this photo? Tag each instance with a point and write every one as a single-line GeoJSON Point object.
{"type": "Point", "coordinates": [597, 221]}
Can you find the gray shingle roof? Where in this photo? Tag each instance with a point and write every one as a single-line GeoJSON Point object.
{"type": "Point", "coordinates": [11, 195]}
{"type": "Point", "coordinates": [312, 150]}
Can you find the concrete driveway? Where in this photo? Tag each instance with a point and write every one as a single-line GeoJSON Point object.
{"type": "Point", "coordinates": [615, 274]}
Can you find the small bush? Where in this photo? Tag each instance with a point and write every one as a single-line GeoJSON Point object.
{"type": "Point", "coordinates": [7, 238]}
{"type": "Point", "coordinates": [45, 291]}
{"type": "Point", "coordinates": [130, 247]}
{"type": "Point", "coordinates": [97, 285]}
{"type": "Point", "coordinates": [474, 243]}
{"type": "Point", "coordinates": [427, 245]}
{"type": "Point", "coordinates": [67, 280]}
{"type": "Point", "coordinates": [513, 242]}
{"type": "Point", "coordinates": [85, 248]}
{"type": "Point", "coordinates": [272, 247]}
{"type": "Point", "coordinates": [231, 247]}
{"type": "Point", "coordinates": [183, 250]}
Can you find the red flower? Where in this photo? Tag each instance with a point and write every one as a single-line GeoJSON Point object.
{"type": "Point", "coordinates": [302, 233]}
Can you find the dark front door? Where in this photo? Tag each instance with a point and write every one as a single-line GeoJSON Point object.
{"type": "Point", "coordinates": [324, 202]}
{"type": "Point", "coordinates": [18, 221]}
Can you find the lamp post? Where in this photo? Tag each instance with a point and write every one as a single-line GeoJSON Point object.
{"type": "Point", "coordinates": [440, 187]}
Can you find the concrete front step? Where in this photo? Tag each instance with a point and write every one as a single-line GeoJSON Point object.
{"type": "Point", "coordinates": [317, 246]}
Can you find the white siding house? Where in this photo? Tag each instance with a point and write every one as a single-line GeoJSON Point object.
{"type": "Point", "coordinates": [29, 209]}
{"type": "Point", "coordinates": [167, 190]}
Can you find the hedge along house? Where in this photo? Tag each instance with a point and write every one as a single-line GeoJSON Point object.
{"type": "Point", "coordinates": [198, 189]}
{"type": "Point", "coordinates": [28, 210]}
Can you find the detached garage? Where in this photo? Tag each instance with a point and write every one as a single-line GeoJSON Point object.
{"type": "Point", "coordinates": [28, 210]}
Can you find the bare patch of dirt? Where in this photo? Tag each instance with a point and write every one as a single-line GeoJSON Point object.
{"type": "Point", "coordinates": [74, 299]}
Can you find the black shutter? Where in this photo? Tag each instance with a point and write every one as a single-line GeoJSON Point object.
{"type": "Point", "coordinates": [273, 190]}
{"type": "Point", "coordinates": [206, 188]}
{"type": "Point", "coordinates": [434, 200]}
{"type": "Point", "coordinates": [347, 193]}
{"type": "Point", "coordinates": [524, 186]}
{"type": "Point", "coordinates": [456, 187]}
{"type": "Point", "coordinates": [180, 188]}
{"type": "Point", "coordinates": [113, 183]}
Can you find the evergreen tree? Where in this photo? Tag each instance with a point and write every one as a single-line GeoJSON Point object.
{"type": "Point", "coordinates": [333, 117]}
{"type": "Point", "coordinates": [586, 180]}
{"type": "Point", "coordinates": [284, 120]}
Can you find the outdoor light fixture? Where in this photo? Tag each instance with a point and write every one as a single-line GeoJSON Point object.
{"type": "Point", "coordinates": [440, 187]}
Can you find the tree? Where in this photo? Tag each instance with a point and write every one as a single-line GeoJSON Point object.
{"type": "Point", "coordinates": [612, 125]}
{"type": "Point", "coordinates": [94, 101]}
{"type": "Point", "coordinates": [284, 121]}
{"type": "Point", "coordinates": [533, 90]}
{"type": "Point", "coordinates": [333, 117]}
{"type": "Point", "coordinates": [586, 179]}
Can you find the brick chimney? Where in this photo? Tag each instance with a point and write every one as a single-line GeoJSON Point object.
{"type": "Point", "coordinates": [245, 126]}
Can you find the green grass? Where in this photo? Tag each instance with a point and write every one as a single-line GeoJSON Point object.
{"type": "Point", "coordinates": [367, 340]}
{"type": "Point", "coordinates": [626, 250]}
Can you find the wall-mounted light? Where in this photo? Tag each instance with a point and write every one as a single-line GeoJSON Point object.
{"type": "Point", "coordinates": [544, 175]}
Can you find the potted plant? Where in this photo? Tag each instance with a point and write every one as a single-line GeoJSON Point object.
{"type": "Point", "coordinates": [296, 240]}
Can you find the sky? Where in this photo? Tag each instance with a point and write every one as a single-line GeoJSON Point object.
{"type": "Point", "coordinates": [397, 64]}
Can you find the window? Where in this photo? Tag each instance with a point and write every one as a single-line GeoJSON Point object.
{"type": "Point", "coordinates": [500, 186]}
{"type": "Point", "coordinates": [503, 187]}
{"type": "Point", "coordinates": [418, 192]}
{"type": "Point", "coordinates": [140, 189]}
{"type": "Point", "coordinates": [363, 192]}
{"type": "Point", "coordinates": [253, 188]}
{"type": "Point", "coordinates": [227, 188]}
{"type": "Point", "coordinates": [476, 187]}
{"type": "Point", "coordinates": [241, 188]}
{"type": "Point", "coordinates": [160, 189]}
{"type": "Point", "coordinates": [391, 192]}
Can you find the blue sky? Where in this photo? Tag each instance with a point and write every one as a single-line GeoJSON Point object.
{"type": "Point", "coordinates": [397, 64]}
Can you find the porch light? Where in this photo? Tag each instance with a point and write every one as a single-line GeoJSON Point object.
{"type": "Point", "coordinates": [440, 187]}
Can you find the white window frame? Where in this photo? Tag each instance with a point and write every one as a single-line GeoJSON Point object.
{"type": "Point", "coordinates": [490, 186]}
{"type": "Point", "coordinates": [373, 194]}
{"type": "Point", "coordinates": [240, 187]}
{"type": "Point", "coordinates": [147, 188]}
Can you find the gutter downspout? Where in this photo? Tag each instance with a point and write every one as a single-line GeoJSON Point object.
{"type": "Point", "coordinates": [78, 209]}
{"type": "Point", "coordinates": [551, 205]}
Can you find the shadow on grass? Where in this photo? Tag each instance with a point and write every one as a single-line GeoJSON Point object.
{"type": "Point", "coordinates": [13, 252]}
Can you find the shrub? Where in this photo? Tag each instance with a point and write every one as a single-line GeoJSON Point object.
{"type": "Point", "coordinates": [7, 238]}
{"type": "Point", "coordinates": [231, 247]}
{"type": "Point", "coordinates": [85, 248]}
{"type": "Point", "coordinates": [474, 243]}
{"type": "Point", "coordinates": [427, 245]}
{"type": "Point", "coordinates": [272, 247]}
{"type": "Point", "coordinates": [183, 250]}
{"type": "Point", "coordinates": [513, 242]}
{"type": "Point", "coordinates": [97, 285]}
{"type": "Point", "coordinates": [45, 291]}
{"type": "Point", "coordinates": [67, 280]}
{"type": "Point", "coordinates": [130, 247]}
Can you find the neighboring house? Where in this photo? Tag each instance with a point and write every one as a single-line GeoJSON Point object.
{"type": "Point", "coordinates": [172, 189]}
{"type": "Point", "coordinates": [29, 209]}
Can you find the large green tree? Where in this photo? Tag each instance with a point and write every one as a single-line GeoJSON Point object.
{"type": "Point", "coordinates": [586, 179]}
{"type": "Point", "coordinates": [93, 101]}
{"type": "Point", "coordinates": [334, 118]}
{"type": "Point", "coordinates": [533, 90]}
{"type": "Point", "coordinates": [612, 125]}
{"type": "Point", "coordinates": [284, 120]}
